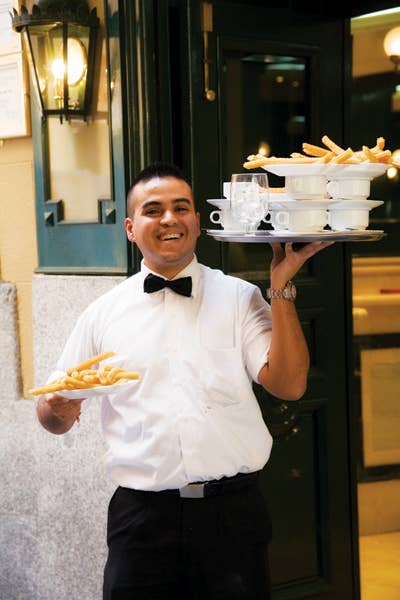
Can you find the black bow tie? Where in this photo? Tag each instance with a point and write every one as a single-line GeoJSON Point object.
{"type": "Point", "coordinates": [153, 283]}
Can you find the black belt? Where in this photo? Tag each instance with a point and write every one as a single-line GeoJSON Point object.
{"type": "Point", "coordinates": [217, 487]}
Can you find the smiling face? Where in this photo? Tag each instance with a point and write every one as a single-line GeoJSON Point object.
{"type": "Point", "coordinates": [164, 224]}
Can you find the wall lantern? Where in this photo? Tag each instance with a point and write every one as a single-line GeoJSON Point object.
{"type": "Point", "coordinates": [391, 45]}
{"type": "Point", "coordinates": [61, 37]}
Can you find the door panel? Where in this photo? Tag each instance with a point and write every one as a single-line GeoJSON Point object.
{"type": "Point", "coordinates": [279, 79]}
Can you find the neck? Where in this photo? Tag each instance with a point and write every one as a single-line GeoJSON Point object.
{"type": "Point", "coordinates": [169, 272]}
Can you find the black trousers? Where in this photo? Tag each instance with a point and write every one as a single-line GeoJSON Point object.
{"type": "Point", "coordinates": [165, 547]}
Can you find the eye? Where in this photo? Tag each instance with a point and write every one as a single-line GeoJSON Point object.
{"type": "Point", "coordinates": [182, 208]}
{"type": "Point", "coordinates": [151, 212]}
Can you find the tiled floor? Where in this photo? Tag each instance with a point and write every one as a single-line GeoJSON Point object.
{"type": "Point", "coordinates": [380, 566]}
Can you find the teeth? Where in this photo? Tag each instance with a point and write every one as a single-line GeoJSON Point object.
{"type": "Point", "coordinates": [171, 236]}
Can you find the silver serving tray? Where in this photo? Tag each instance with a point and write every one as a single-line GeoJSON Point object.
{"type": "Point", "coordinates": [264, 236]}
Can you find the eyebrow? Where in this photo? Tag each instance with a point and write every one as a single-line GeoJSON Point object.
{"type": "Point", "coordinates": [158, 202]}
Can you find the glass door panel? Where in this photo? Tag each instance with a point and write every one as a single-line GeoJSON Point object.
{"type": "Point", "coordinates": [266, 114]}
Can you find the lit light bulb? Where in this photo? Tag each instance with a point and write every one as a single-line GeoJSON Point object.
{"type": "Point", "coordinates": [264, 148]}
{"type": "Point", "coordinates": [57, 68]}
{"type": "Point", "coordinates": [391, 172]}
{"type": "Point", "coordinates": [396, 156]}
{"type": "Point", "coordinates": [391, 43]}
{"type": "Point", "coordinates": [76, 63]}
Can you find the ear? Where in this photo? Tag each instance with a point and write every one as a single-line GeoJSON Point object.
{"type": "Point", "coordinates": [129, 229]}
{"type": "Point", "coordinates": [198, 224]}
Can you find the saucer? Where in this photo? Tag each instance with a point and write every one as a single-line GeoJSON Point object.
{"type": "Point", "coordinates": [299, 204]}
{"type": "Point", "coordinates": [355, 204]}
{"type": "Point", "coordinates": [219, 202]}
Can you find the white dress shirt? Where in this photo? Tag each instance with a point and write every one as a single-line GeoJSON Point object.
{"type": "Point", "coordinates": [193, 416]}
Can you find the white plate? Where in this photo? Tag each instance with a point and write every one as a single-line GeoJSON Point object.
{"type": "Point", "coordinates": [297, 169]}
{"type": "Point", "coordinates": [369, 170]}
{"type": "Point", "coordinates": [260, 236]}
{"type": "Point", "coordinates": [332, 171]}
{"type": "Point", "coordinates": [101, 390]}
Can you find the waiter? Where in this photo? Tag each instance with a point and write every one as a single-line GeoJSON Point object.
{"type": "Point", "coordinates": [187, 519]}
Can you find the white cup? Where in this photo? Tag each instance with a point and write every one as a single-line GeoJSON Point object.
{"type": "Point", "coordinates": [351, 189]}
{"type": "Point", "coordinates": [279, 219]}
{"type": "Point", "coordinates": [340, 219]}
{"type": "Point", "coordinates": [224, 217]}
{"type": "Point", "coordinates": [299, 219]}
{"type": "Point", "coordinates": [306, 187]}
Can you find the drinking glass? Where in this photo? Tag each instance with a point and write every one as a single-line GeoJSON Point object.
{"type": "Point", "coordinates": [249, 199]}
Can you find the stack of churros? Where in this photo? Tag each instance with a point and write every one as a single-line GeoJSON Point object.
{"type": "Point", "coordinates": [83, 377]}
{"type": "Point", "coordinates": [331, 153]}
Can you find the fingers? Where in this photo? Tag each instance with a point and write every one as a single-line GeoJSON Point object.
{"type": "Point", "coordinates": [313, 248]}
{"type": "Point", "coordinates": [277, 249]}
{"type": "Point", "coordinates": [306, 252]}
{"type": "Point", "coordinates": [63, 408]}
{"type": "Point", "coordinates": [287, 261]}
{"type": "Point", "coordinates": [56, 401]}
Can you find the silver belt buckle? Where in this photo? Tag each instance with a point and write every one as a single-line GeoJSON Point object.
{"type": "Point", "coordinates": [193, 490]}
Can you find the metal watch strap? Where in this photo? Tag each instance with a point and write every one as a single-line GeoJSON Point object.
{"type": "Point", "coordinates": [286, 293]}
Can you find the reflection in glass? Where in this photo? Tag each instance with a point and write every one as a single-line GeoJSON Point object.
{"type": "Point", "coordinates": [79, 152]}
{"type": "Point", "coordinates": [265, 113]}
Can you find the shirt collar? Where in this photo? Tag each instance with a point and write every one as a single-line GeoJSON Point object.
{"type": "Point", "coordinates": [191, 270]}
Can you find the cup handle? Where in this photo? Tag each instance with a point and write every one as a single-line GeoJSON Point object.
{"type": "Point", "coordinates": [331, 188]}
{"type": "Point", "coordinates": [282, 218]}
{"type": "Point", "coordinates": [215, 216]}
{"type": "Point", "coordinates": [267, 218]}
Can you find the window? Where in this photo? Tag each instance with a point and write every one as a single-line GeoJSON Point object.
{"type": "Point", "coordinates": [80, 187]}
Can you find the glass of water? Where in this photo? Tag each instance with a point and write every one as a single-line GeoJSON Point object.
{"type": "Point", "coordinates": [249, 199]}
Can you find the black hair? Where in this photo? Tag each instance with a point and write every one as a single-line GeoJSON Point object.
{"type": "Point", "coordinates": [154, 171]}
{"type": "Point", "coordinates": [158, 169]}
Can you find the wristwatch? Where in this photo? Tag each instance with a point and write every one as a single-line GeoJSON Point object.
{"type": "Point", "coordinates": [287, 293]}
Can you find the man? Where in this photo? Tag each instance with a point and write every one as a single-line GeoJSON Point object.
{"type": "Point", "coordinates": [187, 520]}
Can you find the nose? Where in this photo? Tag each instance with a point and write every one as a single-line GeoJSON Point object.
{"type": "Point", "coordinates": [168, 217]}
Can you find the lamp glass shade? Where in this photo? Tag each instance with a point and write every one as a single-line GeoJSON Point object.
{"type": "Point", "coordinates": [60, 58]}
{"type": "Point", "coordinates": [391, 43]}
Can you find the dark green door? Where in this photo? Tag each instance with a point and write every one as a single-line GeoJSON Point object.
{"type": "Point", "coordinates": [279, 80]}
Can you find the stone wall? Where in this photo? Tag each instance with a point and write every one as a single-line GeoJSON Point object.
{"type": "Point", "coordinates": [55, 494]}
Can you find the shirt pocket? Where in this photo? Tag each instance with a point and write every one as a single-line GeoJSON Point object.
{"type": "Point", "coordinates": [219, 381]}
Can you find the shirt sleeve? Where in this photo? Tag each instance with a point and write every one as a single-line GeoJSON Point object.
{"type": "Point", "coordinates": [256, 333]}
{"type": "Point", "coordinates": [80, 344]}
{"type": "Point", "coordinates": [78, 347]}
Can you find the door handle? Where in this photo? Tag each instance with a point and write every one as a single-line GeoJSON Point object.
{"type": "Point", "coordinates": [206, 12]}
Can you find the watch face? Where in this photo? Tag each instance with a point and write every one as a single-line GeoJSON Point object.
{"type": "Point", "coordinates": [292, 290]}
{"type": "Point", "coordinates": [289, 292]}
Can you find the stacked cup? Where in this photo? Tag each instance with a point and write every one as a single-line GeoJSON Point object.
{"type": "Point", "coordinates": [350, 208]}
{"type": "Point", "coordinates": [305, 207]}
{"type": "Point", "coordinates": [311, 202]}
